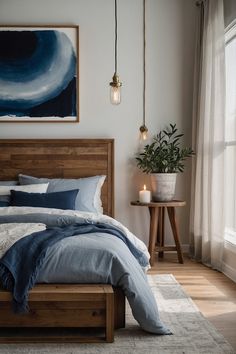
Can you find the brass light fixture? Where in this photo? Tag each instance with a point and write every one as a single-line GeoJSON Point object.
{"type": "Point", "coordinates": [143, 129]}
{"type": "Point", "coordinates": [115, 90]}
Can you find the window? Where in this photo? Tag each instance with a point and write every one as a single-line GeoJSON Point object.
{"type": "Point", "coordinates": [230, 136]}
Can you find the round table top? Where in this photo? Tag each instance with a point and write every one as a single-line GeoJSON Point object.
{"type": "Point", "coordinates": [171, 203]}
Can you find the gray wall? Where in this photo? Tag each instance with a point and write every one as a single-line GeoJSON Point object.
{"type": "Point", "coordinates": [170, 52]}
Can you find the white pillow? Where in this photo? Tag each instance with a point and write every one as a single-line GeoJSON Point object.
{"type": "Point", "coordinates": [30, 188]}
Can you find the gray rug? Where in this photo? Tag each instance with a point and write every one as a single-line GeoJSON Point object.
{"type": "Point", "coordinates": [193, 334]}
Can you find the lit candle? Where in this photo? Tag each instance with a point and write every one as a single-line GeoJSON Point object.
{"type": "Point", "coordinates": [144, 195]}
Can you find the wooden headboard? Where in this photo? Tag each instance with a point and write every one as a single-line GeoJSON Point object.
{"type": "Point", "coordinates": [61, 158]}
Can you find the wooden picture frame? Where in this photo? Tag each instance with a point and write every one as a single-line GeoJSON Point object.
{"type": "Point", "coordinates": [39, 73]}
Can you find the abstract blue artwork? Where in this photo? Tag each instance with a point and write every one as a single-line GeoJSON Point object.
{"type": "Point", "coordinates": [39, 74]}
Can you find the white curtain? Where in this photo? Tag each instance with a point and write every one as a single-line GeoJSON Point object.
{"type": "Point", "coordinates": [207, 202]}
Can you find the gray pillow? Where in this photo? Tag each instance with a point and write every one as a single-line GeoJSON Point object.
{"type": "Point", "coordinates": [9, 183]}
{"type": "Point", "coordinates": [6, 198]}
{"type": "Point", "coordinates": [89, 196]}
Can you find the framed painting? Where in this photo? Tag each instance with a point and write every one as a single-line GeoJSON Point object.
{"type": "Point", "coordinates": [39, 73]}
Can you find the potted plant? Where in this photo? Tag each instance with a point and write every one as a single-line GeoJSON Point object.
{"type": "Point", "coordinates": [163, 159]}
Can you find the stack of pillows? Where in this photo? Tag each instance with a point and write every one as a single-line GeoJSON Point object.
{"type": "Point", "coordinates": [82, 194]}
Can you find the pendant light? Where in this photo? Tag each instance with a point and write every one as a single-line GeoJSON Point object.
{"type": "Point", "coordinates": [115, 85]}
{"type": "Point", "coordinates": [143, 129]}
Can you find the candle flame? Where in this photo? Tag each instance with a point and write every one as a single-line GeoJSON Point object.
{"type": "Point", "coordinates": [144, 187]}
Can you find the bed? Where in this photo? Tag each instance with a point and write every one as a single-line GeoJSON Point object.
{"type": "Point", "coordinates": [66, 159]}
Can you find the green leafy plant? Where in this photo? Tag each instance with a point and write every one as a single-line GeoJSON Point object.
{"type": "Point", "coordinates": [164, 154]}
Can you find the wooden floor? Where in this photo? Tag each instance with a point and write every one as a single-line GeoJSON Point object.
{"type": "Point", "coordinates": [212, 292]}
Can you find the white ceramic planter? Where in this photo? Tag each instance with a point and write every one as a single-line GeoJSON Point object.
{"type": "Point", "coordinates": [163, 186]}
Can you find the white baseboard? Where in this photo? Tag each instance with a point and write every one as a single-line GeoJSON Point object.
{"type": "Point", "coordinates": [230, 272]}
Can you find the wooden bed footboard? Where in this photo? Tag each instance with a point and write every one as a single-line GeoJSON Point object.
{"type": "Point", "coordinates": [57, 308]}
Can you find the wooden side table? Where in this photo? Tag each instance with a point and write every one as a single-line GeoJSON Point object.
{"type": "Point", "coordinates": [157, 229]}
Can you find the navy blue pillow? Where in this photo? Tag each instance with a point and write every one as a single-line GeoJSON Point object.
{"type": "Point", "coordinates": [59, 200]}
{"type": "Point", "coordinates": [4, 203]}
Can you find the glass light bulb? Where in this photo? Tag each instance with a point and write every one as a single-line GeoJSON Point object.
{"type": "Point", "coordinates": [143, 132]}
{"type": "Point", "coordinates": [115, 95]}
{"type": "Point", "coordinates": [144, 135]}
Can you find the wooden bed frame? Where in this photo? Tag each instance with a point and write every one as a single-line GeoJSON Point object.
{"type": "Point", "coordinates": [63, 158]}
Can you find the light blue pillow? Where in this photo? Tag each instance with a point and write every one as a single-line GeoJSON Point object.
{"type": "Point", "coordinates": [5, 199]}
{"type": "Point", "coordinates": [89, 196]}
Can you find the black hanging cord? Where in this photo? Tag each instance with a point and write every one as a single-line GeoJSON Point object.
{"type": "Point", "coordinates": [144, 62]}
{"type": "Point", "coordinates": [115, 36]}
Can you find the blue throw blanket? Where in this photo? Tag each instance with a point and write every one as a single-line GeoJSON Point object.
{"type": "Point", "coordinates": [22, 263]}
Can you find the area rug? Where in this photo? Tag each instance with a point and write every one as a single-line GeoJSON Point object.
{"type": "Point", "coordinates": [192, 333]}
